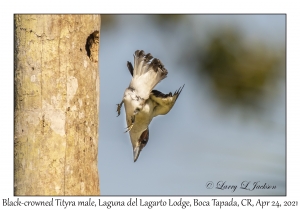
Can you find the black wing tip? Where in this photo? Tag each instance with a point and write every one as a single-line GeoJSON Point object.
{"type": "Point", "coordinates": [180, 89]}
{"type": "Point", "coordinates": [177, 92]}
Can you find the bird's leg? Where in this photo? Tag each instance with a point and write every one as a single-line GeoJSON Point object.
{"type": "Point", "coordinates": [119, 107]}
{"type": "Point", "coordinates": [129, 127]}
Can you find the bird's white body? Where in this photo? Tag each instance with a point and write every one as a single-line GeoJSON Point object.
{"type": "Point", "coordinates": [142, 119]}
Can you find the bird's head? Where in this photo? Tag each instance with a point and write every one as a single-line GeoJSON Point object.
{"type": "Point", "coordinates": [139, 143]}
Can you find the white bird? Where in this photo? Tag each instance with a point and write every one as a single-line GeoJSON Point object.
{"type": "Point", "coordinates": [142, 103]}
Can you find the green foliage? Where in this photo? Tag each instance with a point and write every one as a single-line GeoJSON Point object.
{"type": "Point", "coordinates": [239, 71]}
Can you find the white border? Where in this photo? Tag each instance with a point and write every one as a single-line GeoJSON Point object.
{"type": "Point", "coordinates": [30, 6]}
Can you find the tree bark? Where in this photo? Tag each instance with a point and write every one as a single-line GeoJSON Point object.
{"type": "Point", "coordinates": [56, 104]}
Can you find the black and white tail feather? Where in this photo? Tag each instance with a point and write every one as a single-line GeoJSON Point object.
{"type": "Point", "coordinates": [142, 103]}
{"type": "Point", "coordinates": [147, 73]}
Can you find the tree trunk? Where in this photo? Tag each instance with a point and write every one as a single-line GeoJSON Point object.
{"type": "Point", "coordinates": [56, 104]}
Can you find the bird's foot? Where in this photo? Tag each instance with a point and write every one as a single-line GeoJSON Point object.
{"type": "Point", "coordinates": [119, 108]}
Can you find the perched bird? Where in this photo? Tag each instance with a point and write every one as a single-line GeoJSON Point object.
{"type": "Point", "coordinates": [142, 103]}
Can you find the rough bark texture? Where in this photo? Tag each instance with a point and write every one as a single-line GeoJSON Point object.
{"type": "Point", "coordinates": [56, 105]}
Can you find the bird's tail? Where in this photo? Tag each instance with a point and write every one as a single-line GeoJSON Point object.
{"type": "Point", "coordinates": [147, 73]}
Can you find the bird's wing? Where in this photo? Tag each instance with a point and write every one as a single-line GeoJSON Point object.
{"type": "Point", "coordinates": [165, 102]}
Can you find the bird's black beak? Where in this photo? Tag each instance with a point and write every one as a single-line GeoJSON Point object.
{"type": "Point", "coordinates": [141, 144]}
{"type": "Point", "coordinates": [136, 152]}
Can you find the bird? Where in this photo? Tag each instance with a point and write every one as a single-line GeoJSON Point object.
{"type": "Point", "coordinates": [141, 102]}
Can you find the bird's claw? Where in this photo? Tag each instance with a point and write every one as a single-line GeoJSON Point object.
{"type": "Point", "coordinates": [129, 128]}
{"type": "Point", "coordinates": [119, 108]}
